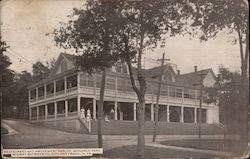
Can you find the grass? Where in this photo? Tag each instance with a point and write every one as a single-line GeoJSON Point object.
{"type": "Point", "coordinates": [153, 153]}
{"type": "Point", "coordinates": [208, 144]}
{"type": "Point", "coordinates": [4, 131]}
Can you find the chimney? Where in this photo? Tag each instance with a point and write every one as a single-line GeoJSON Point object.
{"type": "Point", "coordinates": [195, 68]}
{"type": "Point", "coordinates": [178, 72]}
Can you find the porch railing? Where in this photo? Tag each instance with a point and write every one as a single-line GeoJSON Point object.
{"type": "Point", "coordinates": [86, 122]}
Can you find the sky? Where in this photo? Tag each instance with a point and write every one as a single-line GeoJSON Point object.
{"type": "Point", "coordinates": [25, 24]}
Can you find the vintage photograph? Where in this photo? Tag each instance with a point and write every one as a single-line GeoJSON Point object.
{"type": "Point", "coordinates": [153, 79]}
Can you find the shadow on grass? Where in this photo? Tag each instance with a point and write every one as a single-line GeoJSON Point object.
{"type": "Point", "coordinates": [153, 152]}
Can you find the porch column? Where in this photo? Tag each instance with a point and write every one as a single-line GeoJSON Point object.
{"type": "Point", "coordinates": [37, 113]}
{"type": "Point", "coordinates": [182, 114]}
{"type": "Point", "coordinates": [195, 115]}
{"type": "Point", "coordinates": [168, 113]}
{"type": "Point", "coordinates": [66, 108]}
{"type": "Point", "coordinates": [115, 110]}
{"type": "Point", "coordinates": [94, 108]}
{"type": "Point", "coordinates": [29, 96]}
{"type": "Point", "coordinates": [152, 111]}
{"type": "Point", "coordinates": [36, 93]}
{"type": "Point", "coordinates": [78, 103]}
{"type": "Point", "coordinates": [78, 82]}
{"type": "Point", "coordinates": [45, 91]}
{"type": "Point", "coordinates": [46, 111]}
{"type": "Point", "coordinates": [65, 84]}
{"type": "Point", "coordinates": [55, 105]}
{"type": "Point", "coordinates": [134, 111]}
{"type": "Point", "coordinates": [54, 88]}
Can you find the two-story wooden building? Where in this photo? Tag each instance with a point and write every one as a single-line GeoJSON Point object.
{"type": "Point", "coordinates": [68, 89]}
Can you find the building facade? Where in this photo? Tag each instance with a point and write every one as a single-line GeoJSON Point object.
{"type": "Point", "coordinates": [68, 89]}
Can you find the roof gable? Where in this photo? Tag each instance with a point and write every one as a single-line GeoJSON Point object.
{"type": "Point", "coordinates": [194, 78]}
{"type": "Point", "coordinates": [64, 59]}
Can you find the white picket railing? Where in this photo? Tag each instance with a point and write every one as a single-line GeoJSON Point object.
{"type": "Point", "coordinates": [86, 122]}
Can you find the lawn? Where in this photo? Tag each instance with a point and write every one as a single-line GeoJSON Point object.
{"type": "Point", "coordinates": [209, 144]}
{"type": "Point", "coordinates": [3, 131]}
{"type": "Point", "coordinates": [153, 153]}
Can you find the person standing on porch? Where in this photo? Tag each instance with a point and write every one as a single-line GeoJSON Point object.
{"type": "Point", "coordinates": [88, 114]}
{"type": "Point", "coordinates": [112, 114]}
{"type": "Point", "coordinates": [82, 113]}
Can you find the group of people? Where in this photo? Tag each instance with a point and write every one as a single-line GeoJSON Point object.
{"type": "Point", "coordinates": [88, 115]}
{"type": "Point", "coordinates": [82, 114]}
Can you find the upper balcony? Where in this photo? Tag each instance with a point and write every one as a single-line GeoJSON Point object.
{"type": "Point", "coordinates": [118, 86]}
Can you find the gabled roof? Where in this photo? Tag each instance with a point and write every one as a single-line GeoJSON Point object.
{"type": "Point", "coordinates": [155, 71]}
{"type": "Point", "coordinates": [70, 58]}
{"type": "Point", "coordinates": [194, 78]}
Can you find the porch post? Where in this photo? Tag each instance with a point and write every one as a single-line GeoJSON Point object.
{"type": "Point", "coordinates": [168, 113]}
{"type": "Point", "coordinates": [54, 82]}
{"type": "Point", "coordinates": [94, 108]}
{"type": "Point", "coordinates": [36, 93]}
{"type": "Point", "coordinates": [29, 96]}
{"type": "Point", "coordinates": [134, 111]}
{"type": "Point", "coordinates": [45, 91]}
{"type": "Point", "coordinates": [182, 114]}
{"type": "Point", "coordinates": [195, 115]}
{"type": "Point", "coordinates": [65, 84]}
{"type": "Point", "coordinates": [46, 111]}
{"type": "Point", "coordinates": [152, 111]}
{"type": "Point", "coordinates": [55, 105]}
{"type": "Point", "coordinates": [78, 103]}
{"type": "Point", "coordinates": [37, 113]}
{"type": "Point", "coordinates": [115, 110]}
{"type": "Point", "coordinates": [66, 108]}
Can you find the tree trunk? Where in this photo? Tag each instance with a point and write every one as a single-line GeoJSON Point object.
{"type": "Point", "coordinates": [141, 141]}
{"type": "Point", "coordinates": [100, 109]}
{"type": "Point", "coordinates": [157, 99]}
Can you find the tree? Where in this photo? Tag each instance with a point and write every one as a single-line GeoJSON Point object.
{"type": "Point", "coordinates": [213, 16]}
{"type": "Point", "coordinates": [91, 32]}
{"type": "Point", "coordinates": [6, 79]}
{"type": "Point", "coordinates": [226, 91]}
{"type": "Point", "coordinates": [144, 24]}
{"type": "Point", "coordinates": [41, 71]}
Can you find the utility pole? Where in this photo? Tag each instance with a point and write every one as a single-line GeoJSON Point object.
{"type": "Point", "coordinates": [158, 96]}
{"type": "Point", "coordinates": [200, 105]}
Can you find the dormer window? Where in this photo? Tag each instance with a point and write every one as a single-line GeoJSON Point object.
{"type": "Point", "coordinates": [63, 66]}
{"type": "Point", "coordinates": [121, 68]}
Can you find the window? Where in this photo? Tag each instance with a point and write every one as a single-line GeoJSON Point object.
{"type": "Point", "coordinates": [164, 90]}
{"type": "Point", "coordinates": [41, 110]}
{"type": "Point", "coordinates": [51, 109]}
{"type": "Point", "coordinates": [33, 94]}
{"type": "Point", "coordinates": [63, 66]}
{"type": "Point", "coordinates": [72, 105]}
{"type": "Point", "coordinates": [34, 111]}
{"type": "Point", "coordinates": [179, 92]}
{"type": "Point", "coordinates": [110, 84]}
{"type": "Point", "coordinates": [71, 81]}
{"type": "Point", "coordinates": [50, 88]}
{"type": "Point", "coordinates": [59, 85]}
{"type": "Point", "coordinates": [124, 68]}
{"type": "Point", "coordinates": [171, 91]}
{"type": "Point", "coordinates": [118, 67]}
{"type": "Point", "coordinates": [121, 84]}
{"type": "Point", "coordinates": [129, 86]}
{"type": "Point", "coordinates": [41, 91]}
{"type": "Point", "coordinates": [61, 107]}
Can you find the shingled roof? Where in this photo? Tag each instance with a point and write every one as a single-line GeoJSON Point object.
{"type": "Point", "coordinates": [155, 71]}
{"type": "Point", "coordinates": [193, 78]}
